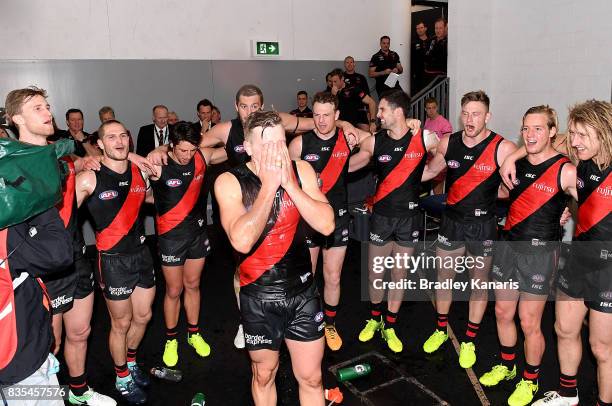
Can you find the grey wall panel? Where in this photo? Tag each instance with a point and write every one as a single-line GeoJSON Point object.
{"type": "Point", "coordinates": [132, 88]}
{"type": "Point", "coordinates": [279, 80]}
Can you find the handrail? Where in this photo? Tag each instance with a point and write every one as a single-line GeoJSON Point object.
{"type": "Point", "coordinates": [437, 88]}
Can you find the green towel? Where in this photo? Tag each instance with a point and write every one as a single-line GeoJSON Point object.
{"type": "Point", "coordinates": [30, 180]}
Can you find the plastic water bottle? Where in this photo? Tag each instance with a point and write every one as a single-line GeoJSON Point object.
{"type": "Point", "coordinates": [172, 375]}
{"type": "Point", "coordinates": [198, 399]}
{"type": "Point", "coordinates": [353, 372]}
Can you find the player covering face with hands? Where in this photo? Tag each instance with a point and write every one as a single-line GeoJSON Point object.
{"type": "Point", "coordinates": [262, 203]}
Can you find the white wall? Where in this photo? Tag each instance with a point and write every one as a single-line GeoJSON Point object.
{"type": "Point", "coordinates": [194, 29]}
{"type": "Point", "coordinates": [469, 50]}
{"type": "Point", "coordinates": [524, 53]}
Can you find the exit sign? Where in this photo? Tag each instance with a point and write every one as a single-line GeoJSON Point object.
{"type": "Point", "coordinates": [266, 48]}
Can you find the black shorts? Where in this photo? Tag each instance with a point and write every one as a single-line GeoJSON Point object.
{"type": "Point", "coordinates": [339, 238]}
{"type": "Point", "coordinates": [477, 238]}
{"type": "Point", "coordinates": [85, 277]}
{"type": "Point", "coordinates": [267, 322]}
{"type": "Point", "coordinates": [119, 274]}
{"type": "Point", "coordinates": [61, 288]}
{"type": "Point", "coordinates": [584, 278]}
{"type": "Point", "coordinates": [533, 271]}
{"type": "Point", "coordinates": [74, 283]}
{"type": "Point", "coordinates": [176, 252]}
{"type": "Point", "coordinates": [404, 231]}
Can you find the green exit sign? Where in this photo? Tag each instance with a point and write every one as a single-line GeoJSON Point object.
{"type": "Point", "coordinates": [265, 48]}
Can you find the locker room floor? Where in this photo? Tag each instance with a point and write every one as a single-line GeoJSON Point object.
{"type": "Point", "coordinates": [409, 378]}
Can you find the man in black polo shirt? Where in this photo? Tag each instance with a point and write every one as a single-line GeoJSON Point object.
{"type": "Point", "coordinates": [382, 63]}
{"type": "Point", "coordinates": [74, 121]}
{"type": "Point", "coordinates": [437, 52]}
{"type": "Point", "coordinates": [420, 45]}
{"type": "Point", "coordinates": [352, 78]}
{"type": "Point", "coordinates": [350, 102]}
{"type": "Point", "coordinates": [302, 101]}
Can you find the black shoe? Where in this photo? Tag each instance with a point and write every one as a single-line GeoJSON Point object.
{"type": "Point", "coordinates": [130, 391]}
{"type": "Point", "coordinates": [140, 378]}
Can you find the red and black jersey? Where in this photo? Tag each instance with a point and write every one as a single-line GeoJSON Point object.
{"type": "Point", "coordinates": [594, 186]}
{"type": "Point", "coordinates": [472, 178]}
{"type": "Point", "coordinates": [234, 147]}
{"type": "Point", "coordinates": [537, 201]}
{"type": "Point", "coordinates": [279, 262]}
{"type": "Point", "coordinates": [330, 159]}
{"type": "Point", "coordinates": [115, 209]}
{"type": "Point", "coordinates": [67, 207]}
{"type": "Point", "coordinates": [398, 165]}
{"type": "Point", "coordinates": [350, 103]}
{"type": "Point", "coordinates": [179, 201]}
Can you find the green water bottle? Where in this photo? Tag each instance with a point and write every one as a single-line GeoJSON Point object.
{"type": "Point", "coordinates": [353, 372]}
{"type": "Point", "coordinates": [198, 399]}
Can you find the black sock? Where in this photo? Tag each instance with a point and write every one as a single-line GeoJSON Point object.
{"type": "Point", "coordinates": [441, 322]}
{"type": "Point", "coordinates": [390, 319]}
{"type": "Point", "coordinates": [507, 356]}
{"type": "Point", "coordinates": [78, 384]}
{"type": "Point", "coordinates": [192, 329]}
{"type": "Point", "coordinates": [330, 313]}
{"type": "Point", "coordinates": [131, 355]}
{"type": "Point", "coordinates": [375, 310]}
{"type": "Point", "coordinates": [531, 373]}
{"type": "Point", "coordinates": [602, 403]}
{"type": "Point", "coordinates": [568, 386]}
{"type": "Point", "coordinates": [122, 370]}
{"type": "Point", "coordinates": [472, 331]}
{"type": "Point", "coordinates": [171, 333]}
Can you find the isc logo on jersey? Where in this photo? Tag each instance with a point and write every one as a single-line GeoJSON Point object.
{"type": "Point", "coordinates": [174, 182]}
{"type": "Point", "coordinates": [453, 164]}
{"type": "Point", "coordinates": [579, 183]}
{"type": "Point", "coordinates": [384, 158]}
{"type": "Point", "coordinates": [108, 195]}
{"type": "Point", "coordinates": [239, 148]}
{"type": "Point", "coordinates": [311, 157]}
